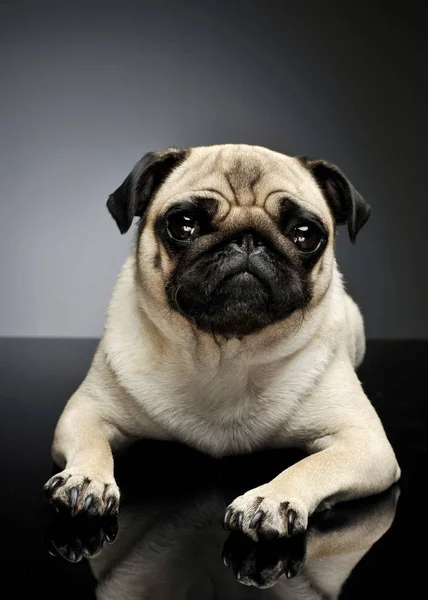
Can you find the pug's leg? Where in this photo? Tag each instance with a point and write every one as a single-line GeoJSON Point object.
{"type": "Point", "coordinates": [351, 457]}
{"type": "Point", "coordinates": [82, 445]}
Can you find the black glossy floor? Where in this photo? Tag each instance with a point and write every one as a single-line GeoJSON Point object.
{"type": "Point", "coordinates": [170, 543]}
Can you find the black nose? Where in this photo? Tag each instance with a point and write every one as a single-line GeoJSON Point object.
{"type": "Point", "coordinates": [246, 242]}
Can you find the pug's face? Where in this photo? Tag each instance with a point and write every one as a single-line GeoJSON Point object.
{"type": "Point", "coordinates": [234, 237]}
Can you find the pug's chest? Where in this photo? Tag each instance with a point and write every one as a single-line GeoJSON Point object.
{"type": "Point", "coordinates": [224, 417]}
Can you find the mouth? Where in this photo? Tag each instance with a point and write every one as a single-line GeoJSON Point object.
{"type": "Point", "coordinates": [242, 276]}
{"type": "Point", "coordinates": [243, 282]}
{"type": "Point", "coordinates": [251, 271]}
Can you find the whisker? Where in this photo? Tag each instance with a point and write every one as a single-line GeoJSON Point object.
{"type": "Point", "coordinates": [176, 295]}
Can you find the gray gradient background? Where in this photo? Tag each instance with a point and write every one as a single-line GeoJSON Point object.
{"type": "Point", "coordinates": [88, 87]}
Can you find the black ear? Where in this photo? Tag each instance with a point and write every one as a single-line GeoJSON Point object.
{"type": "Point", "coordinates": [346, 204]}
{"type": "Point", "coordinates": [132, 197]}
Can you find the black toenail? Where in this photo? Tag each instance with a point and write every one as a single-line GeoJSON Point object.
{"type": "Point", "coordinates": [111, 506]}
{"type": "Point", "coordinates": [256, 520]}
{"type": "Point", "coordinates": [227, 518]}
{"type": "Point", "coordinates": [53, 485]}
{"type": "Point", "coordinates": [291, 518]}
{"type": "Point", "coordinates": [74, 494]}
{"type": "Point", "coordinates": [88, 502]}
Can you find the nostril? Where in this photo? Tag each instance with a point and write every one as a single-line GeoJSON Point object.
{"type": "Point", "coordinates": [239, 243]}
{"type": "Point", "coordinates": [236, 245]}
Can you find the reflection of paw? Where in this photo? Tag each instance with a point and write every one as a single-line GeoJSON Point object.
{"type": "Point", "coordinates": [72, 539]}
{"type": "Point", "coordinates": [78, 493]}
{"type": "Point", "coordinates": [261, 564]}
{"type": "Point", "coordinates": [260, 514]}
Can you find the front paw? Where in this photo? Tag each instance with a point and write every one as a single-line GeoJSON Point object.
{"type": "Point", "coordinates": [264, 514]}
{"type": "Point", "coordinates": [80, 493]}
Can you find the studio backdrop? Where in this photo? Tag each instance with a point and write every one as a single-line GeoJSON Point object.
{"type": "Point", "coordinates": [89, 87]}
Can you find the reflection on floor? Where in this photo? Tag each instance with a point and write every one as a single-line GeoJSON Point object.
{"type": "Point", "coordinates": [171, 544]}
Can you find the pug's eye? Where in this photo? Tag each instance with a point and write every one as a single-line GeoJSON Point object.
{"type": "Point", "coordinates": [182, 227]}
{"type": "Point", "coordinates": [306, 237]}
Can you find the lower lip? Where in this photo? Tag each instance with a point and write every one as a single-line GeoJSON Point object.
{"type": "Point", "coordinates": [242, 275]}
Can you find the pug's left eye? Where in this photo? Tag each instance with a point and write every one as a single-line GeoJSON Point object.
{"type": "Point", "coordinates": [306, 237]}
{"type": "Point", "coordinates": [182, 227]}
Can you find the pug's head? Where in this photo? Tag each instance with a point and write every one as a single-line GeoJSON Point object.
{"type": "Point", "coordinates": [235, 238]}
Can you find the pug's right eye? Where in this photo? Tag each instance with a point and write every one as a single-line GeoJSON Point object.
{"type": "Point", "coordinates": [182, 227]}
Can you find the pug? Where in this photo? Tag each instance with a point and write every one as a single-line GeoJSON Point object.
{"type": "Point", "coordinates": [229, 329]}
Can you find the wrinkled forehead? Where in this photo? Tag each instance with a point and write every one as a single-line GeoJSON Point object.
{"type": "Point", "coordinates": [240, 175]}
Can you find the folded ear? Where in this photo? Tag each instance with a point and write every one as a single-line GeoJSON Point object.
{"type": "Point", "coordinates": [346, 204]}
{"type": "Point", "coordinates": [132, 197]}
